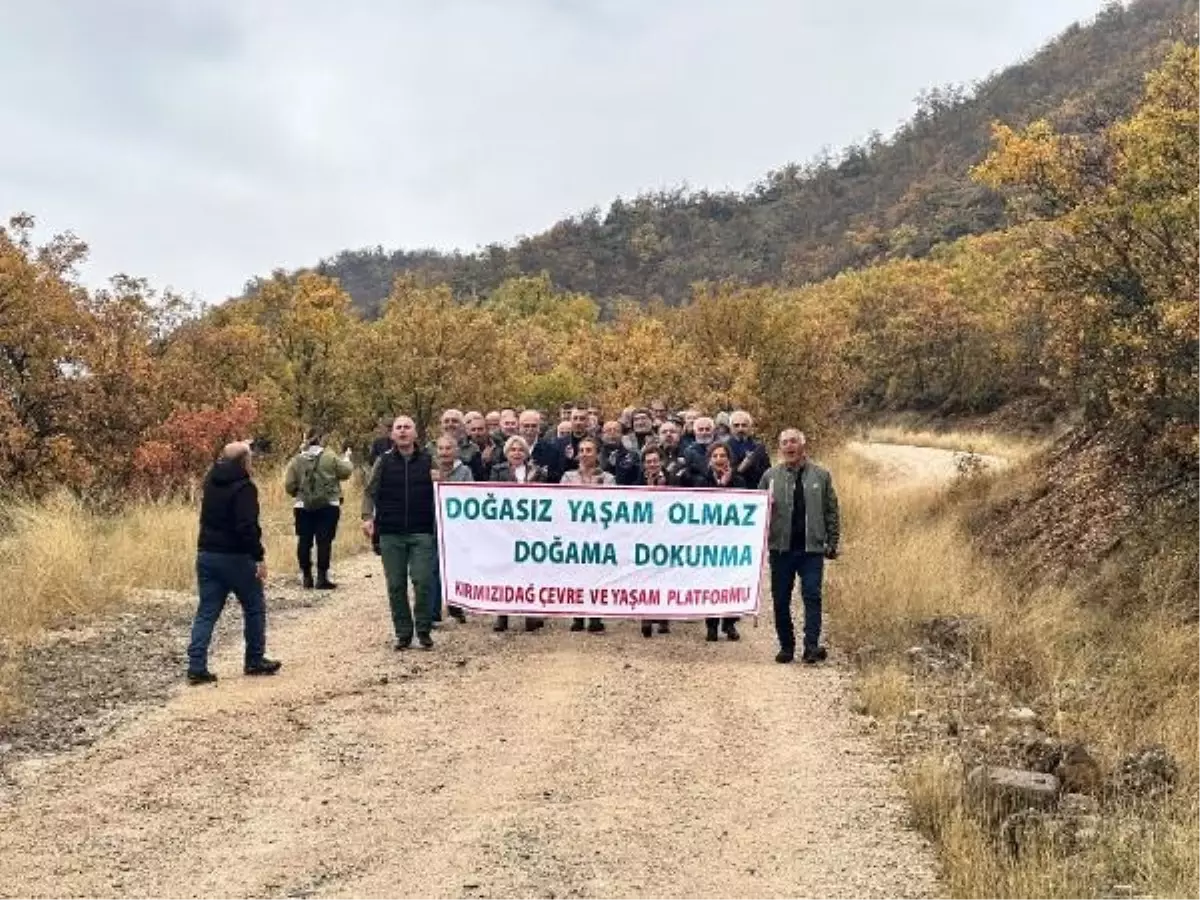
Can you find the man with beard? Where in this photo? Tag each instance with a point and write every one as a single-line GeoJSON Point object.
{"type": "Point", "coordinates": [545, 452]}
{"type": "Point", "coordinates": [484, 451]}
{"type": "Point", "coordinates": [750, 457]}
{"type": "Point", "coordinates": [696, 453]}
{"type": "Point", "coordinates": [570, 444]}
{"type": "Point", "coordinates": [643, 431]}
{"type": "Point", "coordinates": [616, 457]}
{"type": "Point", "coordinates": [688, 434]}
{"type": "Point", "coordinates": [674, 465]}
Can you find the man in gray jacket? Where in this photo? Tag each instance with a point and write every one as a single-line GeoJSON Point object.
{"type": "Point", "coordinates": [804, 532]}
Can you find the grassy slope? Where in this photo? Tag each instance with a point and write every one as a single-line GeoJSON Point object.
{"type": "Point", "coordinates": [1090, 672]}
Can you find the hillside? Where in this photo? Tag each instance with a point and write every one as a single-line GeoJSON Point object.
{"type": "Point", "coordinates": [883, 199]}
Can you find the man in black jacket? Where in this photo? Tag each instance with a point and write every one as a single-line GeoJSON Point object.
{"type": "Point", "coordinates": [398, 506]}
{"type": "Point", "coordinates": [569, 445]}
{"type": "Point", "coordinates": [544, 451]}
{"type": "Point", "coordinates": [230, 559]}
{"type": "Point", "coordinates": [616, 457]}
{"type": "Point", "coordinates": [751, 459]}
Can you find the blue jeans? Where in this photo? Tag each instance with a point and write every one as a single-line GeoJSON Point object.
{"type": "Point", "coordinates": [786, 567]}
{"type": "Point", "coordinates": [218, 575]}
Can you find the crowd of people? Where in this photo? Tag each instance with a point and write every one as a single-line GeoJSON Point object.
{"type": "Point", "coordinates": [643, 446]}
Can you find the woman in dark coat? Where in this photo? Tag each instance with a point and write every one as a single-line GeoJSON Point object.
{"type": "Point", "coordinates": [720, 474]}
{"type": "Point", "coordinates": [653, 475]}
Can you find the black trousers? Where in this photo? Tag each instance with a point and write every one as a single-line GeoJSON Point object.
{"type": "Point", "coordinates": [319, 525]}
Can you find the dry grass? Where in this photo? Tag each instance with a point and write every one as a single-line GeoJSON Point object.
{"type": "Point", "coordinates": [886, 692]}
{"type": "Point", "coordinates": [60, 559]}
{"type": "Point", "coordinates": [981, 442]}
{"type": "Point", "coordinates": [1093, 674]}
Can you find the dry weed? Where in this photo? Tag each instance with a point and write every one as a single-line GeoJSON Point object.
{"type": "Point", "coordinates": [1091, 671]}
{"type": "Point", "coordinates": [970, 442]}
{"type": "Point", "coordinates": [59, 558]}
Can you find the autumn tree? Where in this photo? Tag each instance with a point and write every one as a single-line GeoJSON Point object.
{"type": "Point", "coordinates": [1119, 260]}
{"type": "Point", "coordinates": [43, 333]}
{"type": "Point", "coordinates": [426, 352]}
{"type": "Point", "coordinates": [306, 319]}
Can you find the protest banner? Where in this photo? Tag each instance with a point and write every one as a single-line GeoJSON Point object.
{"type": "Point", "coordinates": [614, 552]}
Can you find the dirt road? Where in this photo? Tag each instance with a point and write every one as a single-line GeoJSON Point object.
{"type": "Point", "coordinates": [552, 764]}
{"type": "Point", "coordinates": [905, 464]}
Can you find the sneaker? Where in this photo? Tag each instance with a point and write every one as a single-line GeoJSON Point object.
{"type": "Point", "coordinates": [647, 630]}
{"type": "Point", "coordinates": [403, 643]}
{"type": "Point", "coordinates": [785, 656]}
{"type": "Point", "coordinates": [306, 579]}
{"type": "Point", "coordinates": [205, 677]}
{"type": "Point", "coordinates": [813, 655]}
{"type": "Point", "coordinates": [711, 633]}
{"type": "Point", "coordinates": [534, 624]}
{"type": "Point", "coordinates": [577, 625]}
{"type": "Point", "coordinates": [324, 584]}
{"type": "Point", "coordinates": [457, 615]}
{"type": "Point", "coordinates": [263, 667]}
{"type": "Point", "coordinates": [425, 639]}
{"type": "Point", "coordinates": [731, 632]}
{"type": "Point", "coordinates": [501, 624]}
{"type": "Point", "coordinates": [664, 627]}
{"type": "Point", "coordinates": [595, 626]}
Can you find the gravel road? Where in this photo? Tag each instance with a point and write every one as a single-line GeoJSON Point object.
{"type": "Point", "coordinates": [552, 764]}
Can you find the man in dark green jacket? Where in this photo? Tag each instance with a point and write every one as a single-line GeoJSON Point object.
{"type": "Point", "coordinates": [804, 532]}
{"type": "Point", "coordinates": [314, 479]}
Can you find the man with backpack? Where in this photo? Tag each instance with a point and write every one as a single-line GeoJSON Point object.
{"type": "Point", "coordinates": [314, 478]}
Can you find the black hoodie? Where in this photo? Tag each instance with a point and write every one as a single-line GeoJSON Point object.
{"type": "Point", "coordinates": [229, 511]}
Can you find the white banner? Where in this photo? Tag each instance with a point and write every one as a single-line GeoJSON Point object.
{"type": "Point", "coordinates": [613, 552]}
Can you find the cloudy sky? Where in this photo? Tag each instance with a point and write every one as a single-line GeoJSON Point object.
{"type": "Point", "coordinates": [199, 142]}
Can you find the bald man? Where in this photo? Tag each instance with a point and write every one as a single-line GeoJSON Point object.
{"type": "Point", "coordinates": [545, 452]}
{"type": "Point", "coordinates": [749, 455]}
{"type": "Point", "coordinates": [398, 507]}
{"type": "Point", "coordinates": [230, 560]}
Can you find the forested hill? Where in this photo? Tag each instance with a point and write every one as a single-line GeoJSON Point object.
{"type": "Point", "coordinates": [883, 199]}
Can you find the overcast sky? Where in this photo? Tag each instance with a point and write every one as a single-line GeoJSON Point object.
{"type": "Point", "coordinates": [200, 143]}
